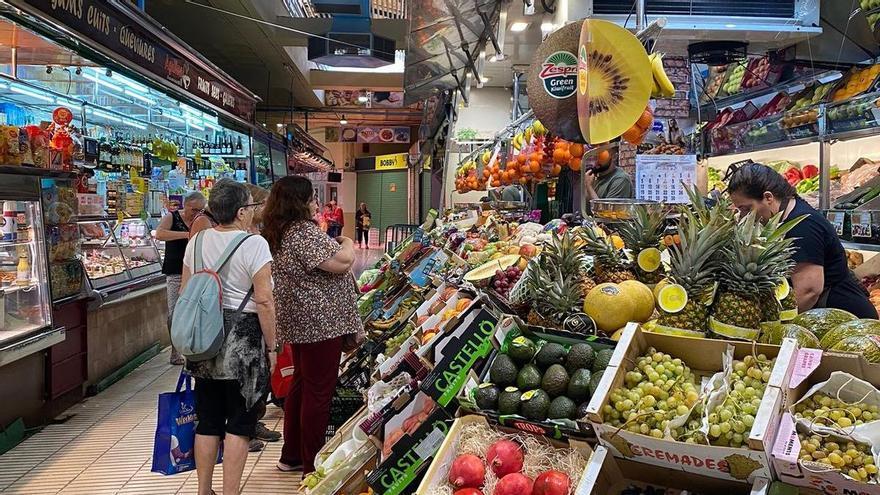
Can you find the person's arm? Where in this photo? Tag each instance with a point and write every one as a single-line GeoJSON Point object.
{"type": "Point", "coordinates": [343, 259]}
{"type": "Point", "coordinates": [265, 301]}
{"type": "Point", "coordinates": [202, 222]}
{"type": "Point", "coordinates": [164, 232]}
{"type": "Point", "coordinates": [590, 186]}
{"type": "Point", "coordinates": [808, 280]}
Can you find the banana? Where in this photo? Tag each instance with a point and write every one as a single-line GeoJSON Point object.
{"type": "Point", "coordinates": [539, 128]}
{"type": "Point", "coordinates": [528, 136]}
{"type": "Point", "coordinates": [661, 80]}
{"type": "Point", "coordinates": [485, 157]}
{"type": "Point", "coordinates": [517, 142]}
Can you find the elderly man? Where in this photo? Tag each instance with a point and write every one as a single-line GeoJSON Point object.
{"type": "Point", "coordinates": [174, 229]}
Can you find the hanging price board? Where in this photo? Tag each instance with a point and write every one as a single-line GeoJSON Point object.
{"type": "Point", "coordinates": [861, 223]}
{"type": "Point", "coordinates": [660, 177]}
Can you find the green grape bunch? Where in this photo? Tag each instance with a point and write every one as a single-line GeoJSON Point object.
{"type": "Point", "coordinates": [658, 389]}
{"type": "Point", "coordinates": [730, 423]}
{"type": "Point", "coordinates": [853, 459]}
{"type": "Point", "coordinates": [821, 409]}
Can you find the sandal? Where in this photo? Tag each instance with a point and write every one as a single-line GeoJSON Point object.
{"type": "Point", "coordinates": [287, 468]}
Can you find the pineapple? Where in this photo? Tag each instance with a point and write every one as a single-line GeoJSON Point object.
{"type": "Point", "coordinates": [555, 296]}
{"type": "Point", "coordinates": [755, 260]}
{"type": "Point", "coordinates": [563, 252]}
{"type": "Point", "coordinates": [770, 306]}
{"type": "Point", "coordinates": [693, 265]}
{"type": "Point", "coordinates": [608, 264]}
{"type": "Point", "coordinates": [641, 232]}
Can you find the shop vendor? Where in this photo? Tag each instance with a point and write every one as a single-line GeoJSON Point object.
{"type": "Point", "coordinates": [606, 180]}
{"type": "Point", "coordinates": [821, 277]}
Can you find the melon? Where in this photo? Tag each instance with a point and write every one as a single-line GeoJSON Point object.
{"type": "Point", "coordinates": [642, 297]}
{"type": "Point", "coordinates": [609, 306]}
{"type": "Point", "coordinates": [822, 320]}
{"type": "Point", "coordinates": [866, 345]}
{"type": "Point", "coordinates": [773, 333]}
{"type": "Point", "coordinates": [848, 329]}
{"type": "Point", "coordinates": [487, 270]}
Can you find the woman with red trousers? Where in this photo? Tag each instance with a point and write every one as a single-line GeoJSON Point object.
{"type": "Point", "coordinates": [316, 311]}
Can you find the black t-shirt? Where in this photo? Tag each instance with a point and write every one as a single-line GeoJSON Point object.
{"type": "Point", "coordinates": [173, 262]}
{"type": "Point", "coordinates": [816, 242]}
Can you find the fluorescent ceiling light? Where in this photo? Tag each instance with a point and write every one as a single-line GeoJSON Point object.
{"type": "Point", "coordinates": [105, 115]}
{"type": "Point", "coordinates": [103, 82]}
{"type": "Point", "coordinates": [195, 125]}
{"type": "Point", "coordinates": [140, 97]}
{"type": "Point", "coordinates": [730, 25]}
{"type": "Point", "coordinates": [363, 98]}
{"type": "Point", "coordinates": [212, 126]}
{"type": "Point", "coordinates": [174, 118]}
{"type": "Point", "coordinates": [136, 125]}
{"type": "Point", "coordinates": [518, 27]}
{"type": "Point", "coordinates": [131, 84]}
{"type": "Point", "coordinates": [343, 120]}
{"type": "Point", "coordinates": [32, 94]}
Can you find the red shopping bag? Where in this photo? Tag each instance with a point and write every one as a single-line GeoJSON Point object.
{"type": "Point", "coordinates": [283, 376]}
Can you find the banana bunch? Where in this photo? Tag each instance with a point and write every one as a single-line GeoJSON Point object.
{"type": "Point", "coordinates": [403, 309]}
{"type": "Point", "coordinates": [538, 128]}
{"type": "Point", "coordinates": [518, 141]}
{"type": "Point", "coordinates": [663, 87]}
{"type": "Point", "coordinates": [485, 157]}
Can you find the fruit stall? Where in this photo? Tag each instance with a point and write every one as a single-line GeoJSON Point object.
{"type": "Point", "coordinates": [602, 354]}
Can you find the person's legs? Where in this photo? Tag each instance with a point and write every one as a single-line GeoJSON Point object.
{"type": "Point", "coordinates": [366, 238]}
{"type": "Point", "coordinates": [359, 233]}
{"type": "Point", "coordinates": [241, 425]}
{"type": "Point", "coordinates": [210, 411]}
{"type": "Point", "coordinates": [172, 293]}
{"type": "Point", "coordinates": [319, 364]}
{"type": "Point", "coordinates": [290, 451]}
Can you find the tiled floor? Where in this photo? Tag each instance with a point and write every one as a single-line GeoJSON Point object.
{"type": "Point", "coordinates": [105, 447]}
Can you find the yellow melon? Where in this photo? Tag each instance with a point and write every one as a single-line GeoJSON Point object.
{"type": "Point", "coordinates": [609, 306]}
{"type": "Point", "coordinates": [642, 297]}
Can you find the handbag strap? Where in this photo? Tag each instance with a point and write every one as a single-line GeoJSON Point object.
{"type": "Point", "coordinates": [231, 249]}
{"type": "Point", "coordinates": [184, 379]}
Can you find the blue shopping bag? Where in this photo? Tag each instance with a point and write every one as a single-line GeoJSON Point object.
{"type": "Point", "coordinates": [174, 446]}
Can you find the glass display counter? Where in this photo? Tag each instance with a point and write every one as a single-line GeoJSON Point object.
{"type": "Point", "coordinates": [118, 254]}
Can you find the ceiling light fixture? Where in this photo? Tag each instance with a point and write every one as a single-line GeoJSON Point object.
{"type": "Point", "coordinates": [343, 120]}
{"type": "Point", "coordinates": [78, 71]}
{"type": "Point", "coordinates": [102, 82]}
{"type": "Point", "coordinates": [546, 27]}
{"type": "Point", "coordinates": [518, 27]}
{"type": "Point", "coordinates": [363, 98]}
{"type": "Point", "coordinates": [48, 69]}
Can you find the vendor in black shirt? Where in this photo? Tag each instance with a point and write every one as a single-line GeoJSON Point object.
{"type": "Point", "coordinates": [821, 277]}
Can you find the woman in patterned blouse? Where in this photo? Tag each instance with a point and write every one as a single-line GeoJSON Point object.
{"type": "Point", "coordinates": [316, 308]}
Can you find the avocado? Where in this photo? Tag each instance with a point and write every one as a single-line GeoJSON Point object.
{"type": "Point", "coordinates": [562, 408]}
{"type": "Point", "coordinates": [529, 377]}
{"type": "Point", "coordinates": [582, 409]}
{"type": "Point", "coordinates": [509, 401]}
{"type": "Point", "coordinates": [551, 353]}
{"type": "Point", "coordinates": [486, 396]}
{"type": "Point", "coordinates": [503, 371]}
{"type": "Point", "coordinates": [579, 385]}
{"type": "Point", "coordinates": [603, 357]}
{"type": "Point", "coordinates": [580, 356]}
{"type": "Point", "coordinates": [522, 350]}
{"type": "Point", "coordinates": [534, 405]}
{"type": "Point", "coordinates": [555, 381]}
{"type": "Point", "coordinates": [594, 381]}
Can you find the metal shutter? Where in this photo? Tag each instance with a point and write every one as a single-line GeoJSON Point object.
{"type": "Point", "coordinates": [425, 191]}
{"type": "Point", "coordinates": [394, 204]}
{"type": "Point", "coordinates": [369, 191]}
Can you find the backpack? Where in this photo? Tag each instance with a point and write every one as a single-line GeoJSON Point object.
{"type": "Point", "coordinates": [197, 329]}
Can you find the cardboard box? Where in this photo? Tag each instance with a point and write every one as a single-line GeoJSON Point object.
{"type": "Point", "coordinates": [607, 475]}
{"type": "Point", "coordinates": [804, 368]}
{"type": "Point", "coordinates": [410, 456]}
{"type": "Point", "coordinates": [704, 357]}
{"type": "Point", "coordinates": [439, 471]}
{"type": "Point", "coordinates": [461, 349]}
{"type": "Point", "coordinates": [508, 329]}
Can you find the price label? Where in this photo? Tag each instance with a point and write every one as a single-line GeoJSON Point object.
{"type": "Point", "coordinates": [837, 219]}
{"type": "Point", "coordinates": [861, 223]}
{"type": "Point", "coordinates": [807, 361]}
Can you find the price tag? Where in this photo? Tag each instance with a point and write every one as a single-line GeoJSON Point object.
{"type": "Point", "coordinates": [861, 224]}
{"type": "Point", "coordinates": [837, 218]}
{"type": "Point", "coordinates": [806, 362]}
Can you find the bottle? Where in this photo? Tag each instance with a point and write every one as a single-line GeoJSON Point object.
{"type": "Point", "coordinates": [238, 147]}
{"type": "Point", "coordinates": [23, 271]}
{"type": "Point", "coordinates": [218, 148]}
{"type": "Point", "coordinates": [7, 222]}
{"type": "Point", "coordinates": [227, 147]}
{"type": "Point", "coordinates": [240, 172]}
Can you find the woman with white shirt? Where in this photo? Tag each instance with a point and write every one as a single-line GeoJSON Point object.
{"type": "Point", "coordinates": [229, 386]}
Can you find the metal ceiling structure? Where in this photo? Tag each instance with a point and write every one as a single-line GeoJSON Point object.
{"type": "Point", "coordinates": [444, 41]}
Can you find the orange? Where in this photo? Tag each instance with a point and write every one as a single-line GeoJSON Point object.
{"type": "Point", "coordinates": [634, 135]}
{"type": "Point", "coordinates": [554, 172]}
{"type": "Point", "coordinates": [558, 154]}
{"type": "Point", "coordinates": [603, 158]}
{"type": "Point", "coordinates": [646, 120]}
{"type": "Point", "coordinates": [496, 176]}
{"type": "Point", "coordinates": [486, 173]}
{"type": "Point", "coordinates": [505, 176]}
{"type": "Point", "coordinates": [575, 163]}
{"type": "Point", "coordinates": [521, 158]}
{"type": "Point", "coordinates": [534, 166]}
{"type": "Point", "coordinates": [535, 156]}
{"type": "Point", "coordinates": [511, 165]}
{"type": "Point", "coordinates": [576, 150]}
{"type": "Point", "coordinates": [496, 183]}
{"type": "Point", "coordinates": [523, 180]}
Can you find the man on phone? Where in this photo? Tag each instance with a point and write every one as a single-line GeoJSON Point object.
{"type": "Point", "coordinates": [606, 180]}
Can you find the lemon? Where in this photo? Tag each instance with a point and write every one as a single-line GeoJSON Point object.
{"type": "Point", "coordinates": [649, 259]}
{"type": "Point", "coordinates": [616, 241]}
{"type": "Point", "coordinates": [783, 289]}
{"type": "Point", "coordinates": [672, 298]}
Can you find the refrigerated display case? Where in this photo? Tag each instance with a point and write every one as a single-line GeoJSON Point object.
{"type": "Point", "coordinates": [118, 255]}
{"type": "Point", "coordinates": [25, 311]}
{"type": "Point", "coordinates": [60, 210]}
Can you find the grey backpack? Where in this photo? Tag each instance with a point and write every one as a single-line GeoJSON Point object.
{"type": "Point", "coordinates": [197, 329]}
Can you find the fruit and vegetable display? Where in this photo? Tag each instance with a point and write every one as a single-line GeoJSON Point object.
{"type": "Point", "coordinates": [542, 380]}
{"type": "Point", "coordinates": [488, 461]}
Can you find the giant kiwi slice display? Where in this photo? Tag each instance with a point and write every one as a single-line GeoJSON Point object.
{"type": "Point", "coordinates": [552, 83]}
{"type": "Point", "coordinates": [614, 80]}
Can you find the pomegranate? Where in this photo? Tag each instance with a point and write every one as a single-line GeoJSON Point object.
{"type": "Point", "coordinates": [467, 471]}
{"type": "Point", "coordinates": [551, 483]}
{"type": "Point", "coordinates": [505, 457]}
{"type": "Point", "coordinates": [514, 484]}
{"type": "Point", "coordinates": [468, 491]}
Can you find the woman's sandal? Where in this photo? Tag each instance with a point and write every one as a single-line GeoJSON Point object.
{"type": "Point", "coordinates": [286, 468]}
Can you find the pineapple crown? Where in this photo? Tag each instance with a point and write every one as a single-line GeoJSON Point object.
{"type": "Point", "coordinates": [759, 256]}
{"type": "Point", "coordinates": [643, 230]}
{"type": "Point", "coordinates": [563, 251]}
{"type": "Point", "coordinates": [694, 262]}
{"type": "Point", "coordinates": [602, 250]}
{"type": "Point", "coordinates": [721, 212]}
{"type": "Point", "coordinates": [553, 294]}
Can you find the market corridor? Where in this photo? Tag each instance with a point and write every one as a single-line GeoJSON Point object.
{"type": "Point", "coordinates": [106, 444]}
